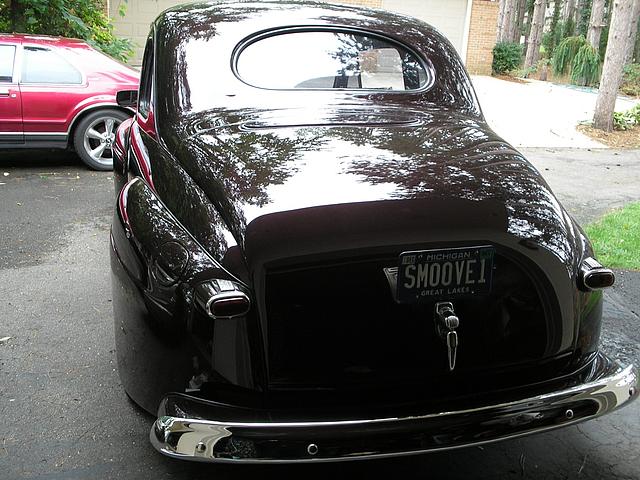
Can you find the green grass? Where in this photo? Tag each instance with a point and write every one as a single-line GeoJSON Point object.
{"type": "Point", "coordinates": [616, 238]}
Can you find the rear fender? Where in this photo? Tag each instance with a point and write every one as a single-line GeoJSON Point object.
{"type": "Point", "coordinates": [159, 255]}
{"type": "Point", "coordinates": [121, 154]}
{"type": "Point", "coordinates": [163, 333]}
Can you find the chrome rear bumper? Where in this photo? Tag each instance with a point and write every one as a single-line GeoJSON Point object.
{"type": "Point", "coordinates": [313, 441]}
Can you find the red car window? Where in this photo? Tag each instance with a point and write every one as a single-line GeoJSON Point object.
{"type": "Point", "coordinates": [44, 66]}
{"type": "Point", "coordinates": [7, 53]}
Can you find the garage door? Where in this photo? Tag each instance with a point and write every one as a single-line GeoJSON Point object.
{"type": "Point", "coordinates": [448, 16]}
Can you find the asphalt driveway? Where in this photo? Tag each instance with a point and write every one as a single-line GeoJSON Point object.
{"type": "Point", "coordinates": [65, 415]}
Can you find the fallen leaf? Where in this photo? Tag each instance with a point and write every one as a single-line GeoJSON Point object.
{"type": "Point", "coordinates": [5, 339]}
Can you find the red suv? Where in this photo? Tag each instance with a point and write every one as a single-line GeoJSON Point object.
{"type": "Point", "coordinates": [59, 92]}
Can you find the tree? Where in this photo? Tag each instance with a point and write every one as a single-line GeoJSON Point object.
{"type": "Point", "coordinates": [583, 12]}
{"type": "Point", "coordinates": [527, 28]}
{"type": "Point", "coordinates": [513, 30]}
{"type": "Point", "coordinates": [551, 39]}
{"type": "Point", "coordinates": [522, 9]}
{"type": "Point", "coordinates": [634, 33]}
{"type": "Point", "coordinates": [508, 19]}
{"type": "Point", "coordinates": [596, 23]}
{"type": "Point", "coordinates": [619, 38]}
{"type": "Point", "coordinates": [501, 6]}
{"type": "Point", "coordinates": [83, 19]}
{"type": "Point", "coordinates": [569, 10]}
{"type": "Point", "coordinates": [535, 36]}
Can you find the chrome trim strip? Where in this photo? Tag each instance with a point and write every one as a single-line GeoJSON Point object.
{"type": "Point", "coordinates": [197, 439]}
{"type": "Point", "coordinates": [257, 37]}
{"type": "Point", "coordinates": [45, 134]}
{"type": "Point", "coordinates": [36, 134]}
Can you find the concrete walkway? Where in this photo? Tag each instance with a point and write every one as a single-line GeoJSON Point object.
{"type": "Point", "coordinates": [539, 114]}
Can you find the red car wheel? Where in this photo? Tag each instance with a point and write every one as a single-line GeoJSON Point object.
{"type": "Point", "coordinates": [94, 137]}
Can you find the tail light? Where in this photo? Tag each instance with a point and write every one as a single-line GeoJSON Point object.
{"type": "Point", "coordinates": [593, 276]}
{"type": "Point", "coordinates": [222, 299]}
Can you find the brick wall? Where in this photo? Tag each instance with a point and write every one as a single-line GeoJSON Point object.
{"type": "Point", "coordinates": [483, 28]}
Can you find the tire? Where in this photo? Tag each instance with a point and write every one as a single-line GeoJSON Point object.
{"type": "Point", "coordinates": [94, 137]}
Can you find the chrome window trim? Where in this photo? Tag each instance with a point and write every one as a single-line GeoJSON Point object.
{"type": "Point", "coordinates": [152, 93]}
{"type": "Point", "coordinates": [247, 41]}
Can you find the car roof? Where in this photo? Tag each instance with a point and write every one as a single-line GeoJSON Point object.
{"type": "Point", "coordinates": [214, 32]}
{"type": "Point", "coordinates": [209, 13]}
{"type": "Point", "coordinates": [49, 40]}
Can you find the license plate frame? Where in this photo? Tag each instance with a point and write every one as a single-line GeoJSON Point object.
{"type": "Point", "coordinates": [444, 273]}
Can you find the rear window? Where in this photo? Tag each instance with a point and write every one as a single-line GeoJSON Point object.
{"type": "Point", "coordinates": [328, 60]}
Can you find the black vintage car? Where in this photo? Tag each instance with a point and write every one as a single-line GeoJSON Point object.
{"type": "Point", "coordinates": [320, 250]}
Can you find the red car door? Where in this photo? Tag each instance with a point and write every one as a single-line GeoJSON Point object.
{"type": "Point", "coordinates": [51, 89]}
{"type": "Point", "coordinates": [10, 101]}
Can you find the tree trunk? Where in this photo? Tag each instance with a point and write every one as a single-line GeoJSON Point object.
{"type": "Point", "coordinates": [508, 19]}
{"type": "Point", "coordinates": [596, 23]}
{"type": "Point", "coordinates": [511, 17]}
{"type": "Point", "coordinates": [500, 18]}
{"type": "Point", "coordinates": [634, 33]}
{"type": "Point", "coordinates": [580, 6]}
{"type": "Point", "coordinates": [535, 37]}
{"type": "Point", "coordinates": [584, 16]}
{"type": "Point", "coordinates": [569, 10]}
{"type": "Point", "coordinates": [619, 33]}
{"type": "Point", "coordinates": [527, 30]}
{"type": "Point", "coordinates": [513, 29]}
{"type": "Point", "coordinates": [553, 29]}
{"type": "Point", "coordinates": [522, 9]}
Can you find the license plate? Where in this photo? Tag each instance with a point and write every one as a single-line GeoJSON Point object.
{"type": "Point", "coordinates": [428, 275]}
